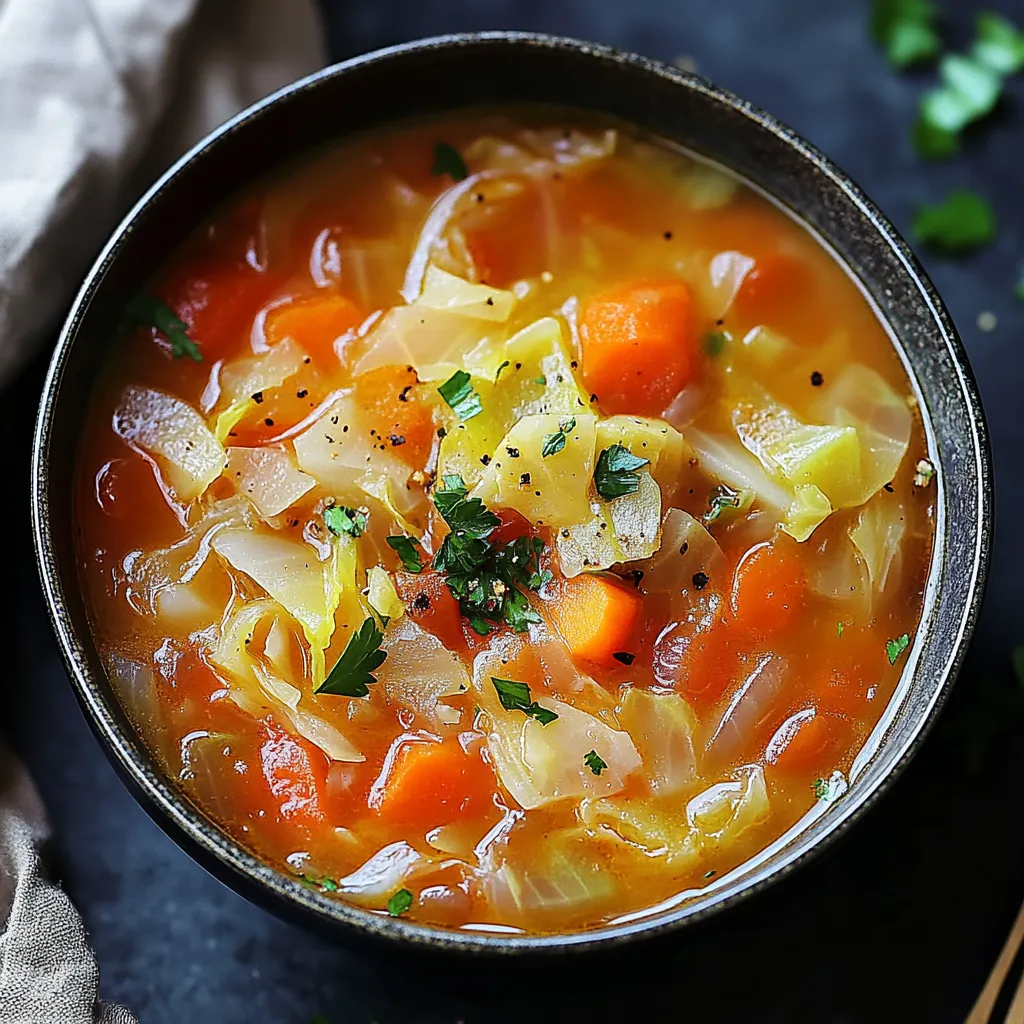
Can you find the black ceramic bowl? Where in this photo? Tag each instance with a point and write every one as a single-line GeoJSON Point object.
{"type": "Point", "coordinates": [438, 75]}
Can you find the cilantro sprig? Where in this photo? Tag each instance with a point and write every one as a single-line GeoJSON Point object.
{"type": "Point", "coordinates": [616, 472]}
{"type": "Point", "coordinates": [340, 519]}
{"type": "Point", "coordinates": [353, 671]}
{"type": "Point", "coordinates": [153, 312]}
{"type": "Point", "coordinates": [515, 696]}
{"type": "Point", "coordinates": [459, 394]}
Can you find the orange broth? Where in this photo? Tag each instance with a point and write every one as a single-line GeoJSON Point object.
{"type": "Point", "coordinates": [724, 673]}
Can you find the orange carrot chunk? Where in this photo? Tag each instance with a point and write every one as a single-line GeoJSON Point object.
{"type": "Point", "coordinates": [596, 617]}
{"type": "Point", "coordinates": [768, 587]}
{"type": "Point", "coordinates": [429, 602]}
{"type": "Point", "coordinates": [435, 783]}
{"type": "Point", "coordinates": [398, 414]}
{"type": "Point", "coordinates": [315, 323]}
{"type": "Point", "coordinates": [638, 345]}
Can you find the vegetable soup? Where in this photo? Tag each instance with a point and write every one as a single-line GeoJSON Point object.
{"type": "Point", "coordinates": [505, 521]}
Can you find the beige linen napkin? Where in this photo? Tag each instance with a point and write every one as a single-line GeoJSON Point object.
{"type": "Point", "coordinates": [96, 98]}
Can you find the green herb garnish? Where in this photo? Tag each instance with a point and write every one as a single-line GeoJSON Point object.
{"type": "Point", "coordinates": [342, 519]}
{"type": "Point", "coordinates": [924, 471]}
{"type": "Point", "coordinates": [448, 160]}
{"type": "Point", "coordinates": [962, 221]}
{"type": "Point", "coordinates": [497, 373]}
{"type": "Point", "coordinates": [408, 552]}
{"type": "Point", "coordinates": [999, 44]}
{"type": "Point", "coordinates": [595, 762]}
{"type": "Point", "coordinates": [839, 629]}
{"type": "Point", "coordinates": [905, 29]}
{"type": "Point", "coordinates": [542, 381]}
{"type": "Point", "coordinates": [352, 672]}
{"type": "Point", "coordinates": [894, 648]}
{"type": "Point", "coordinates": [515, 696]}
{"type": "Point", "coordinates": [458, 392]}
{"type": "Point", "coordinates": [714, 342]}
{"type": "Point", "coordinates": [554, 443]}
{"type": "Point", "coordinates": [399, 903]}
{"type": "Point", "coordinates": [616, 472]}
{"type": "Point", "coordinates": [152, 312]}
{"type": "Point", "coordinates": [720, 499]}
{"type": "Point", "coordinates": [825, 789]}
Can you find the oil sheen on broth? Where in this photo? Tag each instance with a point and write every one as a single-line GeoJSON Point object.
{"type": "Point", "coordinates": [522, 526]}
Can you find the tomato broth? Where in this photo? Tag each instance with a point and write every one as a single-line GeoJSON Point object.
{"type": "Point", "coordinates": [504, 520]}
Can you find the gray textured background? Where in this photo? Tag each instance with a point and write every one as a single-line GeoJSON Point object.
{"type": "Point", "coordinates": [899, 923]}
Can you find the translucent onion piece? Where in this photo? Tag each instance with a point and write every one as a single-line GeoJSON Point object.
{"type": "Point", "coordinates": [661, 726]}
{"type": "Point", "coordinates": [136, 686]}
{"type": "Point", "coordinates": [277, 688]}
{"type": "Point", "coordinates": [184, 606]}
{"type": "Point", "coordinates": [674, 641]}
{"type": "Point", "coordinates": [641, 823]}
{"type": "Point", "coordinates": [290, 573]}
{"type": "Point", "coordinates": [189, 457]}
{"type": "Point", "coordinates": [419, 669]}
{"type": "Point", "coordinates": [383, 874]}
{"type": "Point", "coordinates": [323, 734]}
{"type": "Point", "coordinates": [726, 459]}
{"type": "Point", "coordinates": [268, 477]}
{"type": "Point", "coordinates": [541, 152]}
{"type": "Point", "coordinates": [726, 272]}
{"type": "Point", "coordinates": [452, 294]}
{"type": "Point", "coordinates": [746, 712]}
{"type": "Point", "coordinates": [539, 764]}
{"type": "Point", "coordinates": [785, 734]}
{"type": "Point", "coordinates": [838, 573]}
{"type": "Point", "coordinates": [722, 813]}
{"type": "Point", "coordinates": [877, 536]}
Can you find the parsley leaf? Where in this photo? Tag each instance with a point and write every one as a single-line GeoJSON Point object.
{"type": "Point", "coordinates": [595, 762]}
{"type": "Point", "coordinates": [352, 672]}
{"type": "Point", "coordinates": [515, 696]}
{"type": "Point", "coordinates": [839, 629]}
{"type": "Point", "coordinates": [458, 392]}
{"type": "Point", "coordinates": [399, 903]}
{"type": "Point", "coordinates": [408, 552]}
{"type": "Point", "coordinates": [714, 342]}
{"type": "Point", "coordinates": [448, 160]}
{"type": "Point", "coordinates": [721, 498]}
{"type": "Point", "coordinates": [615, 474]}
{"type": "Point", "coordinates": [830, 788]}
{"type": "Point", "coordinates": [464, 515]}
{"type": "Point", "coordinates": [1019, 290]}
{"type": "Point", "coordinates": [999, 44]}
{"type": "Point", "coordinates": [963, 220]}
{"type": "Point", "coordinates": [152, 312]}
{"type": "Point", "coordinates": [894, 648]}
{"type": "Point", "coordinates": [342, 519]}
{"type": "Point", "coordinates": [906, 30]}
{"type": "Point", "coordinates": [554, 443]}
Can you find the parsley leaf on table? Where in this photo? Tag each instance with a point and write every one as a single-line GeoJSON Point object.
{"type": "Point", "coordinates": [962, 221]}
{"type": "Point", "coordinates": [515, 696]}
{"type": "Point", "coordinates": [152, 312]}
{"type": "Point", "coordinates": [999, 44]}
{"type": "Point", "coordinates": [460, 395]}
{"type": "Point", "coordinates": [342, 519]}
{"type": "Point", "coordinates": [616, 472]}
{"type": "Point", "coordinates": [448, 160]}
{"type": "Point", "coordinates": [906, 30]}
{"type": "Point", "coordinates": [407, 551]}
{"type": "Point", "coordinates": [352, 672]}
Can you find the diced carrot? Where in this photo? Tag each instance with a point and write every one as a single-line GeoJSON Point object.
{"type": "Point", "coordinates": [315, 323]}
{"type": "Point", "coordinates": [218, 304]}
{"type": "Point", "coordinates": [596, 617]}
{"type": "Point", "coordinates": [779, 292]}
{"type": "Point", "coordinates": [435, 783]}
{"type": "Point", "coordinates": [638, 345]}
{"type": "Point", "coordinates": [397, 413]}
{"type": "Point", "coordinates": [513, 524]}
{"type": "Point", "coordinates": [802, 744]}
{"type": "Point", "coordinates": [429, 602]}
{"type": "Point", "coordinates": [711, 661]}
{"type": "Point", "coordinates": [296, 771]}
{"type": "Point", "coordinates": [768, 587]}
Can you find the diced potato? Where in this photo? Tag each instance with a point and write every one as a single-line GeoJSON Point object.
{"type": "Point", "coordinates": [549, 490]}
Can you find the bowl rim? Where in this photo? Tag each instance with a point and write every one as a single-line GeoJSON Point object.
{"type": "Point", "coordinates": [224, 856]}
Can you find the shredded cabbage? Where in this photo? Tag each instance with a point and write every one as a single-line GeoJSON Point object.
{"type": "Point", "coordinates": [169, 430]}
{"type": "Point", "coordinates": [723, 458]}
{"type": "Point", "coordinates": [661, 726]}
{"type": "Point", "coordinates": [686, 548]}
{"type": "Point", "coordinates": [722, 813]}
{"type": "Point", "coordinates": [381, 594]}
{"type": "Point", "coordinates": [877, 535]}
{"type": "Point", "coordinates": [809, 510]}
{"type": "Point", "coordinates": [268, 478]}
{"type": "Point", "coordinates": [644, 823]}
{"type": "Point", "coordinates": [452, 294]}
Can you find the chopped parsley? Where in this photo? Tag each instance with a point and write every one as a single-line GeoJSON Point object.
{"type": "Point", "coordinates": [341, 519]}
{"type": "Point", "coordinates": [554, 443]}
{"type": "Point", "coordinates": [595, 762]}
{"type": "Point", "coordinates": [962, 221]}
{"type": "Point", "coordinates": [153, 312]}
{"type": "Point", "coordinates": [923, 473]}
{"type": "Point", "coordinates": [839, 629]}
{"type": "Point", "coordinates": [408, 552]}
{"type": "Point", "coordinates": [484, 577]}
{"type": "Point", "coordinates": [714, 342]}
{"type": "Point", "coordinates": [905, 29]}
{"type": "Point", "coordinates": [448, 160]}
{"type": "Point", "coordinates": [542, 381]}
{"type": "Point", "coordinates": [515, 696]}
{"type": "Point", "coordinates": [458, 392]}
{"type": "Point", "coordinates": [616, 472]}
{"type": "Point", "coordinates": [399, 903]}
{"type": "Point", "coordinates": [829, 789]}
{"type": "Point", "coordinates": [352, 672]}
{"type": "Point", "coordinates": [721, 498]}
{"type": "Point", "coordinates": [894, 648]}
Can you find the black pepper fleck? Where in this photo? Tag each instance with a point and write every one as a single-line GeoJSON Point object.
{"type": "Point", "coordinates": [524, 479]}
{"type": "Point", "coordinates": [625, 657]}
{"type": "Point", "coordinates": [816, 379]}
{"type": "Point", "coordinates": [258, 397]}
{"type": "Point", "coordinates": [701, 580]}
{"type": "Point", "coordinates": [269, 422]}
{"type": "Point", "coordinates": [513, 453]}
{"type": "Point", "coordinates": [421, 603]}
{"type": "Point", "coordinates": [396, 440]}
{"type": "Point", "coordinates": [485, 459]}
{"type": "Point", "coordinates": [301, 393]}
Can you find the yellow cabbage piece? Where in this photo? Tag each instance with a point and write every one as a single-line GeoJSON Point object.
{"type": "Point", "coordinates": [452, 294]}
{"type": "Point", "coordinates": [724, 811]}
{"type": "Point", "coordinates": [381, 593]}
{"type": "Point", "coordinates": [877, 536]}
{"type": "Point", "coordinates": [658, 831]}
{"type": "Point", "coordinates": [651, 439]}
{"type": "Point", "coordinates": [809, 510]}
{"type": "Point", "coordinates": [268, 477]}
{"type": "Point", "coordinates": [661, 726]}
{"type": "Point", "coordinates": [554, 491]}
{"type": "Point", "coordinates": [189, 457]}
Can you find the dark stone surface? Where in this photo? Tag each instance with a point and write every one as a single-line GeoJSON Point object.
{"type": "Point", "coordinates": [899, 923]}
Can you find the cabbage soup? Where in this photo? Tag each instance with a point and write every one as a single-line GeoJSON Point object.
{"type": "Point", "coordinates": [505, 522]}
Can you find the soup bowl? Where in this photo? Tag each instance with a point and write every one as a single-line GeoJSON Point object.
{"type": "Point", "coordinates": [499, 68]}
